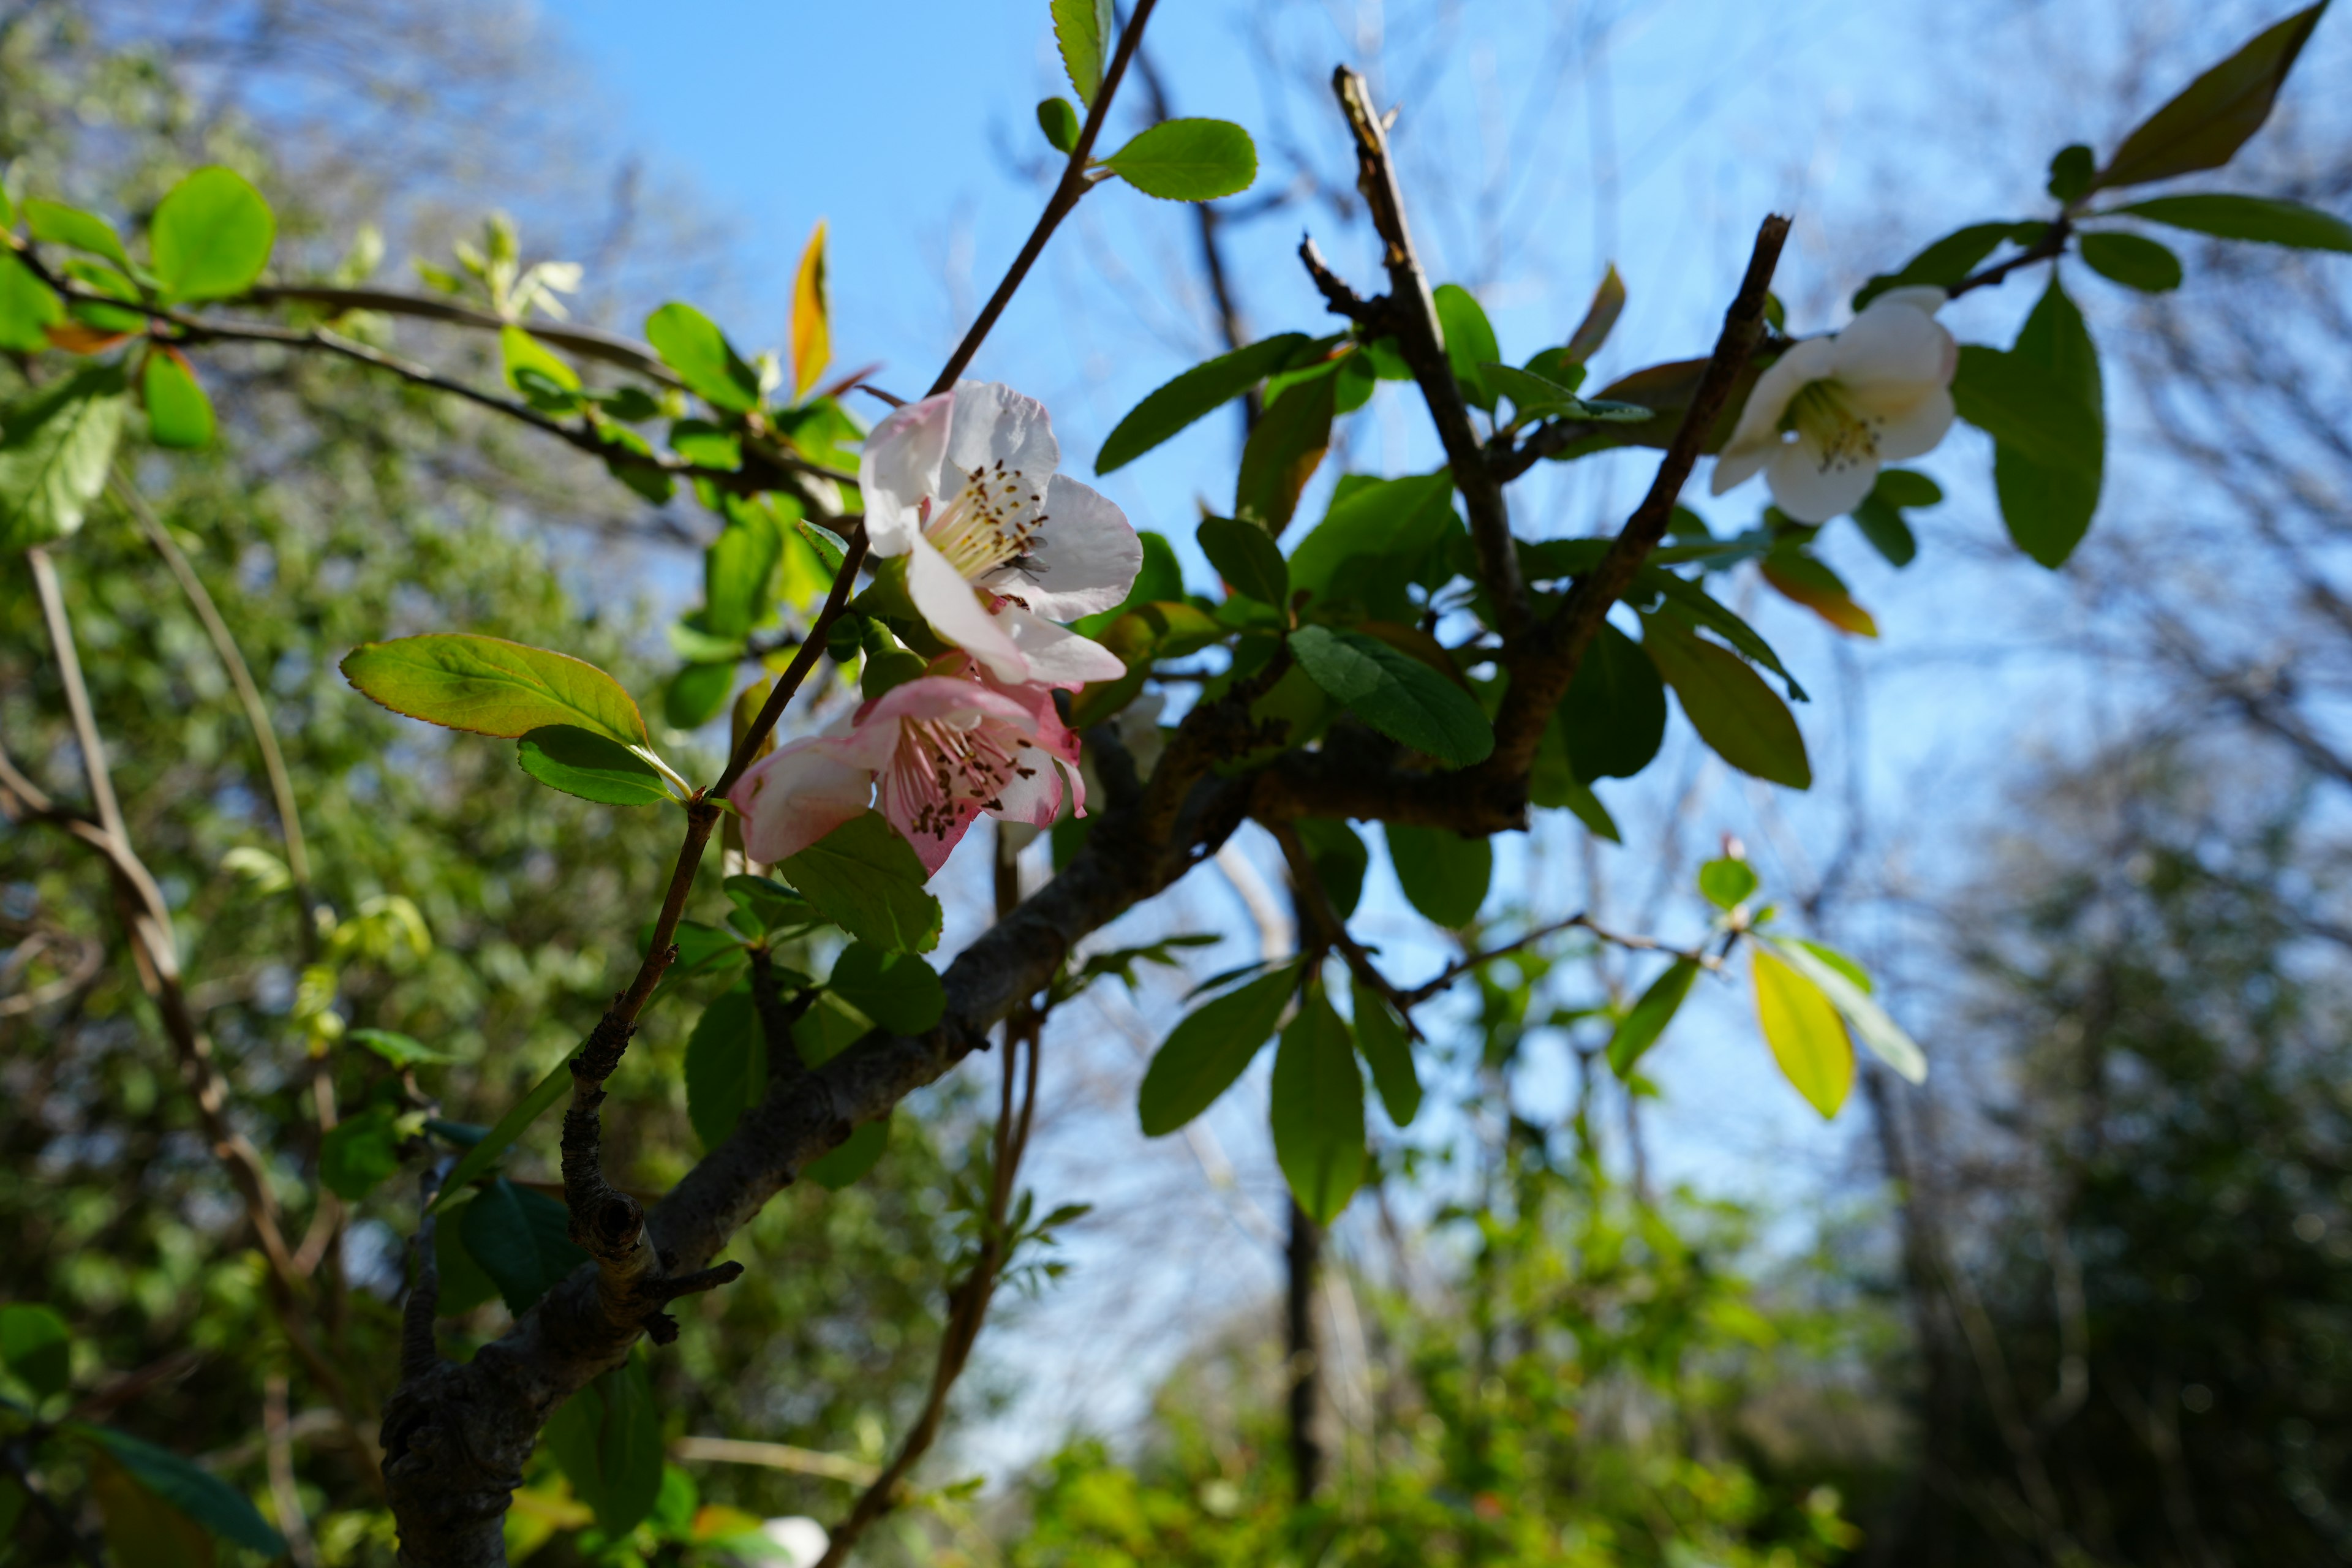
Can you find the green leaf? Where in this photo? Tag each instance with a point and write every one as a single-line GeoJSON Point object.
{"type": "Point", "coordinates": [522, 1239]}
{"type": "Point", "coordinates": [520, 351]}
{"type": "Point", "coordinates": [57, 223]}
{"type": "Point", "coordinates": [1059, 122]}
{"type": "Point", "coordinates": [28, 307]}
{"type": "Point", "coordinates": [1374, 539]}
{"type": "Point", "coordinates": [2048, 503]}
{"type": "Point", "coordinates": [692, 345]}
{"type": "Point", "coordinates": [1803, 1031]}
{"type": "Point", "coordinates": [896, 990]}
{"type": "Point", "coordinates": [1693, 601]}
{"type": "Point", "coordinates": [1247, 558]}
{"type": "Point", "coordinates": [1396, 694]}
{"type": "Point", "coordinates": [1283, 453]}
{"type": "Point", "coordinates": [1188, 160]}
{"type": "Point", "coordinates": [141, 1527]}
{"type": "Point", "coordinates": [1318, 1110]}
{"type": "Point", "coordinates": [1198, 391]}
{"type": "Point", "coordinates": [607, 1440]}
{"type": "Point", "coordinates": [1726, 882]}
{"type": "Point", "coordinates": [1535, 396]}
{"type": "Point", "coordinates": [1841, 980]}
{"type": "Point", "coordinates": [738, 572]}
{"type": "Point", "coordinates": [1207, 1051]}
{"type": "Point", "coordinates": [493, 687]}
{"type": "Point", "coordinates": [1613, 718]}
{"type": "Point", "coordinates": [1599, 316]}
{"type": "Point", "coordinates": [1887, 531]}
{"type": "Point", "coordinates": [1445, 875]}
{"type": "Point", "coordinates": [2134, 262]}
{"type": "Point", "coordinates": [1552, 783]}
{"type": "Point", "coordinates": [1647, 1019]}
{"type": "Point", "coordinates": [399, 1049]}
{"type": "Point", "coordinates": [1469, 341]}
{"type": "Point", "coordinates": [857, 1154]}
{"type": "Point", "coordinates": [211, 236]}
{"type": "Point", "coordinates": [55, 447]}
{"type": "Point", "coordinates": [701, 442]}
{"type": "Point", "coordinates": [2072, 170]}
{"type": "Point", "coordinates": [36, 1347]}
{"type": "Point", "coordinates": [464, 1284]}
{"type": "Point", "coordinates": [773, 905]}
{"type": "Point", "coordinates": [1340, 858]}
{"type": "Point", "coordinates": [1906, 487]}
{"type": "Point", "coordinates": [1388, 1052]}
{"type": "Point", "coordinates": [827, 1029]}
{"type": "Point", "coordinates": [583, 763]}
{"type": "Point", "coordinates": [1728, 704]}
{"type": "Point", "coordinates": [1082, 30]}
{"type": "Point", "coordinates": [2265, 220]}
{"type": "Point", "coordinates": [194, 1491]}
{"type": "Point", "coordinates": [867, 881]}
{"type": "Point", "coordinates": [726, 1064]}
{"type": "Point", "coordinates": [696, 694]}
{"type": "Point", "coordinates": [2213, 116]}
{"type": "Point", "coordinates": [178, 413]}
{"type": "Point", "coordinates": [1943, 263]}
{"type": "Point", "coordinates": [512, 1126]}
{"type": "Point", "coordinates": [359, 1151]}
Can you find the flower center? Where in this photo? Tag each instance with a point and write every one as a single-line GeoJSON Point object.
{"type": "Point", "coordinates": [990, 520]}
{"type": "Point", "coordinates": [944, 772]}
{"type": "Point", "coordinates": [1822, 419]}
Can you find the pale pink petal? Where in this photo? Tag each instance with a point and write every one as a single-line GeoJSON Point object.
{"type": "Point", "coordinates": [1083, 560]}
{"type": "Point", "coordinates": [953, 700]}
{"type": "Point", "coordinates": [798, 794]}
{"type": "Point", "coordinates": [993, 424]}
{"type": "Point", "coordinates": [1052, 655]}
{"type": "Point", "coordinates": [1034, 794]}
{"type": "Point", "coordinates": [900, 470]}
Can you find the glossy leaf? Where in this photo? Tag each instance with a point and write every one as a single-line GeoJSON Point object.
{"type": "Point", "coordinates": [179, 415]}
{"type": "Point", "coordinates": [1647, 1019]}
{"type": "Point", "coordinates": [1613, 718]}
{"type": "Point", "coordinates": [55, 222]}
{"type": "Point", "coordinates": [192, 1490]}
{"type": "Point", "coordinates": [738, 573]}
{"type": "Point", "coordinates": [690, 343]}
{"type": "Point", "coordinates": [522, 1239]}
{"type": "Point", "coordinates": [1188, 160]}
{"type": "Point", "coordinates": [55, 447]}
{"type": "Point", "coordinates": [1247, 558]}
{"type": "Point", "coordinates": [2132, 261]}
{"type": "Point", "coordinates": [1445, 875]}
{"type": "Point", "coordinates": [2265, 220]}
{"type": "Point", "coordinates": [1318, 1110]}
{"type": "Point", "coordinates": [1337, 853]}
{"type": "Point", "coordinates": [36, 1347]}
{"type": "Point", "coordinates": [1388, 1051]}
{"type": "Point", "coordinates": [2212, 117]}
{"type": "Point", "coordinates": [726, 1064]}
{"type": "Point", "coordinates": [1283, 453]}
{"type": "Point", "coordinates": [1726, 882]}
{"type": "Point", "coordinates": [1396, 694]}
{"type": "Point", "coordinates": [2047, 505]}
{"type": "Point", "coordinates": [855, 1155]}
{"type": "Point", "coordinates": [866, 879]}
{"type": "Point", "coordinates": [1197, 392]}
{"type": "Point", "coordinates": [1059, 121]}
{"type": "Point", "coordinates": [1736, 715]}
{"type": "Point", "coordinates": [1207, 1051]}
{"type": "Point", "coordinates": [1373, 538]}
{"type": "Point", "coordinates": [211, 236]}
{"type": "Point", "coordinates": [1804, 1033]}
{"type": "Point", "coordinates": [1600, 316]}
{"type": "Point", "coordinates": [1082, 30]}
{"type": "Point", "coordinates": [359, 1152]}
{"type": "Point", "coordinates": [811, 316]}
{"type": "Point", "coordinates": [607, 1440]}
{"type": "Point", "coordinates": [592, 766]}
{"type": "Point", "coordinates": [493, 687]}
{"type": "Point", "coordinates": [28, 307]}
{"type": "Point", "coordinates": [1834, 977]}
{"type": "Point", "coordinates": [510, 1127]}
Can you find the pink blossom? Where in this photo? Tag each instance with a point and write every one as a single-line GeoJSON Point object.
{"type": "Point", "coordinates": [932, 754]}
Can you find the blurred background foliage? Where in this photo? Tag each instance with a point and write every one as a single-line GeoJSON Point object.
{"type": "Point", "coordinates": [2086, 1299]}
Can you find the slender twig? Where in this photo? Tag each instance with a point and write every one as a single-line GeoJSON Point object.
{"type": "Point", "coordinates": [1074, 184]}
{"type": "Point", "coordinates": [1460, 967]}
{"type": "Point", "coordinates": [2051, 244]}
{"type": "Point", "coordinates": [78, 709]}
{"type": "Point", "coordinates": [776, 1456]}
{"type": "Point", "coordinates": [1317, 906]}
{"type": "Point", "coordinates": [583, 341]}
{"type": "Point", "coordinates": [279, 1440]}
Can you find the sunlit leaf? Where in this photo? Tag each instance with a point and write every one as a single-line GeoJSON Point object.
{"type": "Point", "coordinates": [492, 687]}
{"type": "Point", "coordinates": [1803, 1031]}
{"type": "Point", "coordinates": [1188, 160]}
{"type": "Point", "coordinates": [811, 316]}
{"type": "Point", "coordinates": [592, 766]}
{"type": "Point", "coordinates": [867, 879]}
{"type": "Point", "coordinates": [55, 447]}
{"type": "Point", "coordinates": [211, 236]}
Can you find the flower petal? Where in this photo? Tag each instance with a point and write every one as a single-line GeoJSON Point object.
{"type": "Point", "coordinates": [1083, 561]}
{"type": "Point", "coordinates": [995, 423]}
{"type": "Point", "coordinates": [1916, 428]}
{"type": "Point", "coordinates": [1033, 794]}
{"type": "Point", "coordinates": [1052, 655]}
{"type": "Point", "coordinates": [1737, 464]}
{"type": "Point", "coordinates": [900, 470]}
{"type": "Point", "coordinates": [1811, 491]}
{"type": "Point", "coordinates": [1809, 361]}
{"type": "Point", "coordinates": [955, 700]}
{"type": "Point", "coordinates": [798, 794]}
{"type": "Point", "coordinates": [956, 613]}
{"type": "Point", "coordinates": [1890, 346]}
{"type": "Point", "coordinates": [1925, 297]}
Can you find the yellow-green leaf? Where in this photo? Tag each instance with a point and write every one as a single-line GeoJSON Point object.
{"type": "Point", "coordinates": [1803, 1030]}
{"type": "Point", "coordinates": [493, 687]}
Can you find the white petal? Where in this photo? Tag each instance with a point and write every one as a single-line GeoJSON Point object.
{"type": "Point", "coordinates": [1054, 656]}
{"type": "Point", "coordinates": [957, 614]}
{"type": "Point", "coordinates": [1737, 464]}
{"type": "Point", "coordinates": [1916, 428]}
{"type": "Point", "coordinates": [1892, 346]}
{"type": "Point", "coordinates": [1085, 561]}
{"type": "Point", "coordinates": [995, 423]}
{"type": "Point", "coordinates": [900, 469]}
{"type": "Point", "coordinates": [1809, 491]}
{"type": "Point", "coordinates": [1812, 360]}
{"type": "Point", "coordinates": [1036, 799]}
{"type": "Point", "coordinates": [1917, 297]}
